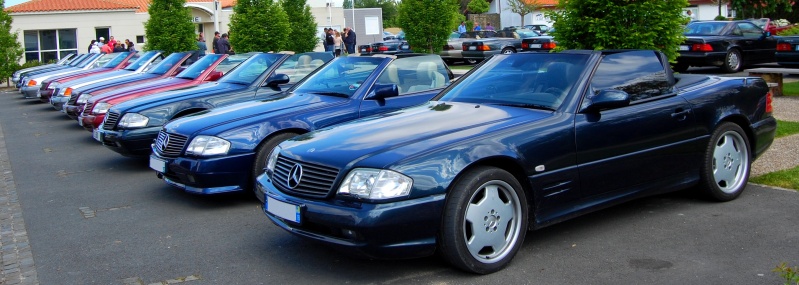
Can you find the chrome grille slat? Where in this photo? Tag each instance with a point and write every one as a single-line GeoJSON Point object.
{"type": "Point", "coordinates": [73, 98]}
{"type": "Point", "coordinates": [87, 109]}
{"type": "Point", "coordinates": [174, 144]}
{"type": "Point", "coordinates": [111, 119]}
{"type": "Point", "coordinates": [317, 180]}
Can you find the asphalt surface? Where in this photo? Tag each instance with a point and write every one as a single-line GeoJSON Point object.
{"type": "Point", "coordinates": [95, 217]}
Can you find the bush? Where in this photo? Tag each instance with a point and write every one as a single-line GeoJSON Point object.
{"type": "Point", "coordinates": [427, 24]}
{"type": "Point", "coordinates": [790, 32]}
{"type": "Point", "coordinates": [720, 18]}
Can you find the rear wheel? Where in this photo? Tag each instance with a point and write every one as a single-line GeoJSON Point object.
{"type": "Point", "coordinates": [263, 152]}
{"type": "Point", "coordinates": [508, 51]}
{"type": "Point", "coordinates": [733, 62]}
{"type": "Point", "coordinates": [725, 169]}
{"type": "Point", "coordinates": [485, 220]}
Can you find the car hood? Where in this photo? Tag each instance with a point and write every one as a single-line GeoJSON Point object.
{"type": "Point", "coordinates": [406, 133]}
{"type": "Point", "coordinates": [163, 98]}
{"type": "Point", "coordinates": [103, 84]}
{"type": "Point", "coordinates": [75, 82]}
{"type": "Point", "coordinates": [149, 87]}
{"type": "Point", "coordinates": [223, 119]}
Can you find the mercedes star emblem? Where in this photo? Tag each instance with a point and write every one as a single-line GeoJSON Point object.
{"type": "Point", "coordinates": [295, 176]}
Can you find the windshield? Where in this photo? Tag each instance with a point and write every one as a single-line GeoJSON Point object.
{"type": "Point", "coordinates": [78, 59]}
{"type": "Point", "coordinates": [250, 69]}
{"type": "Point", "coordinates": [525, 33]}
{"type": "Point", "coordinates": [525, 79]}
{"type": "Point", "coordinates": [341, 77]}
{"type": "Point", "coordinates": [167, 63]}
{"type": "Point", "coordinates": [705, 28]}
{"type": "Point", "coordinates": [113, 62]}
{"type": "Point", "coordinates": [199, 66]}
{"type": "Point", "coordinates": [760, 22]}
{"type": "Point", "coordinates": [91, 59]}
{"type": "Point", "coordinates": [143, 59]}
{"type": "Point", "coordinates": [298, 66]}
{"type": "Point", "coordinates": [233, 61]}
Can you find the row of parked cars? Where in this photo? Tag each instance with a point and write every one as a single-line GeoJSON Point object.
{"type": "Point", "coordinates": [386, 156]}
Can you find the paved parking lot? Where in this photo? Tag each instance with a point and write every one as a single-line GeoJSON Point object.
{"type": "Point", "coordinates": [92, 216]}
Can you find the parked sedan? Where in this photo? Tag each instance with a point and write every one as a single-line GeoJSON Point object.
{"type": "Point", "coordinates": [130, 127]}
{"type": "Point", "coordinates": [506, 41]}
{"type": "Point", "coordinates": [207, 69]}
{"type": "Point", "coordinates": [539, 44]}
{"type": "Point", "coordinates": [730, 45]}
{"type": "Point", "coordinates": [222, 150]}
{"type": "Point", "coordinates": [788, 51]}
{"type": "Point", "coordinates": [452, 51]}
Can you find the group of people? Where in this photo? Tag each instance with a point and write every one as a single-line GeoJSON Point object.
{"type": "Point", "coordinates": [477, 27]}
{"type": "Point", "coordinates": [112, 46]}
{"type": "Point", "coordinates": [220, 44]}
{"type": "Point", "coordinates": [336, 41]}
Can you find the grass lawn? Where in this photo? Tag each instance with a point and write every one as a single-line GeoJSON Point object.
{"type": "Point", "coordinates": [786, 128]}
{"type": "Point", "coordinates": [467, 67]}
{"type": "Point", "coordinates": [790, 89]}
{"type": "Point", "coordinates": [788, 178]}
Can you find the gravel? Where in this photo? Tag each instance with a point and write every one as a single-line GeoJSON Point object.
{"type": "Point", "coordinates": [782, 154]}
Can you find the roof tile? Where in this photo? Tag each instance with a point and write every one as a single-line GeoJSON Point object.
{"type": "Point", "coordinates": [91, 5]}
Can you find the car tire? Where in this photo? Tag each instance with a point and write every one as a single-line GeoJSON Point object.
{"type": "Point", "coordinates": [733, 61]}
{"type": "Point", "coordinates": [262, 154]}
{"type": "Point", "coordinates": [679, 67]}
{"type": "Point", "coordinates": [508, 51]}
{"type": "Point", "coordinates": [485, 220]}
{"type": "Point", "coordinates": [727, 162]}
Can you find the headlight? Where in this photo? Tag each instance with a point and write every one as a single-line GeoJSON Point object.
{"type": "Point", "coordinates": [208, 145]}
{"type": "Point", "coordinates": [100, 108]}
{"type": "Point", "coordinates": [272, 160]}
{"type": "Point", "coordinates": [133, 120]}
{"type": "Point", "coordinates": [83, 98]}
{"type": "Point", "coordinates": [375, 184]}
{"type": "Point", "coordinates": [53, 85]}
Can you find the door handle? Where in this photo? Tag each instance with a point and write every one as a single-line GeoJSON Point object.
{"type": "Point", "coordinates": [681, 114]}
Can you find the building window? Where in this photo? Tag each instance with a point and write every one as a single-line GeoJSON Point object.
{"type": "Point", "coordinates": [139, 39]}
{"type": "Point", "coordinates": [47, 45]}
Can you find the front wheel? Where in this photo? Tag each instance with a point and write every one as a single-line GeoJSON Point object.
{"type": "Point", "coordinates": [508, 51]}
{"type": "Point", "coordinates": [733, 62]}
{"type": "Point", "coordinates": [262, 154]}
{"type": "Point", "coordinates": [485, 220]}
{"type": "Point", "coordinates": [725, 169]}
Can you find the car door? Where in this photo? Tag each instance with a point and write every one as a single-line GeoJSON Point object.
{"type": "Point", "coordinates": [759, 48]}
{"type": "Point", "coordinates": [644, 145]}
{"type": "Point", "coordinates": [417, 78]}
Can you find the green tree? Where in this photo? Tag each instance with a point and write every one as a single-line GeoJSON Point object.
{"type": "Point", "coordinates": [427, 23]}
{"type": "Point", "coordinates": [347, 4]}
{"type": "Point", "coordinates": [259, 25]}
{"type": "Point", "coordinates": [303, 25]}
{"type": "Point", "coordinates": [523, 7]}
{"type": "Point", "coordinates": [602, 24]}
{"type": "Point", "coordinates": [169, 28]}
{"type": "Point", "coordinates": [760, 8]}
{"type": "Point", "coordinates": [478, 6]}
{"type": "Point", "coordinates": [10, 49]}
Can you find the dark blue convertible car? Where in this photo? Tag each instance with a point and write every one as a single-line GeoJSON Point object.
{"type": "Point", "coordinates": [222, 150]}
{"type": "Point", "coordinates": [524, 141]}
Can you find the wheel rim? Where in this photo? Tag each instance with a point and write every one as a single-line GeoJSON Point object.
{"type": "Point", "coordinates": [493, 222]}
{"type": "Point", "coordinates": [507, 51]}
{"type": "Point", "coordinates": [730, 162]}
{"type": "Point", "coordinates": [733, 61]}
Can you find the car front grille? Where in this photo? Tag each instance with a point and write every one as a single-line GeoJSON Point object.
{"type": "Point", "coordinates": [315, 180]}
{"type": "Point", "coordinates": [73, 99]}
{"type": "Point", "coordinates": [169, 145]}
{"type": "Point", "coordinates": [110, 122]}
{"type": "Point", "coordinates": [88, 108]}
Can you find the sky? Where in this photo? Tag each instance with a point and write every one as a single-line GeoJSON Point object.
{"type": "Point", "coordinates": [10, 3]}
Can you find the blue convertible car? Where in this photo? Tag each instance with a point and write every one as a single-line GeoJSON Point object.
{"type": "Point", "coordinates": [222, 150]}
{"type": "Point", "coordinates": [522, 142]}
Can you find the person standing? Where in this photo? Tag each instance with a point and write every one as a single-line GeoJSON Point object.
{"type": "Point", "coordinates": [462, 27]}
{"type": "Point", "coordinates": [107, 48]}
{"type": "Point", "coordinates": [201, 46]}
{"type": "Point", "coordinates": [92, 45]}
{"type": "Point", "coordinates": [337, 43]}
{"type": "Point", "coordinates": [223, 45]}
{"type": "Point", "coordinates": [112, 42]}
{"type": "Point", "coordinates": [691, 16]}
{"type": "Point", "coordinates": [477, 26]}
{"type": "Point", "coordinates": [349, 40]}
{"type": "Point", "coordinates": [330, 41]}
{"type": "Point", "coordinates": [489, 27]}
{"type": "Point", "coordinates": [214, 42]}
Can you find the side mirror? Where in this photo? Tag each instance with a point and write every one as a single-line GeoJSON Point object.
{"type": "Point", "coordinates": [766, 34]}
{"type": "Point", "coordinates": [214, 76]}
{"type": "Point", "coordinates": [383, 91]}
{"type": "Point", "coordinates": [607, 99]}
{"type": "Point", "coordinates": [277, 79]}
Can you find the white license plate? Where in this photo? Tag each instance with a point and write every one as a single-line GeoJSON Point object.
{"type": "Point", "coordinates": [38, 93]}
{"type": "Point", "coordinates": [472, 48]}
{"type": "Point", "coordinates": [685, 48]}
{"type": "Point", "coordinates": [286, 211]}
{"type": "Point", "coordinates": [363, 49]}
{"type": "Point", "coordinates": [80, 121]}
{"type": "Point", "coordinates": [98, 136]}
{"type": "Point", "coordinates": [406, 46]}
{"type": "Point", "coordinates": [535, 46]}
{"type": "Point", "coordinates": [157, 164]}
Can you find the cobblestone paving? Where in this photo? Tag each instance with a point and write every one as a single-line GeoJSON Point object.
{"type": "Point", "coordinates": [16, 257]}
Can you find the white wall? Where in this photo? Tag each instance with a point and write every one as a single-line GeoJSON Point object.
{"type": "Point", "coordinates": [508, 18]}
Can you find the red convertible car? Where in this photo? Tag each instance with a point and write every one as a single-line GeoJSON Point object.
{"type": "Point", "coordinates": [209, 68]}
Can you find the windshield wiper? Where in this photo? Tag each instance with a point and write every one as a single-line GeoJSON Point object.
{"type": "Point", "coordinates": [527, 106]}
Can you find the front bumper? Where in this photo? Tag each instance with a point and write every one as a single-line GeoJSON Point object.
{"type": "Point", "coordinates": [90, 121]}
{"type": "Point", "coordinates": [45, 94]}
{"type": "Point", "coordinates": [73, 111]}
{"type": "Point", "coordinates": [479, 55]}
{"type": "Point", "coordinates": [30, 92]}
{"type": "Point", "coordinates": [702, 58]}
{"type": "Point", "coordinates": [396, 230]}
{"type": "Point", "coordinates": [211, 175]}
{"type": "Point", "coordinates": [58, 102]}
{"type": "Point", "coordinates": [133, 143]}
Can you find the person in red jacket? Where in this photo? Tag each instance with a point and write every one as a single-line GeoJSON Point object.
{"type": "Point", "coordinates": [107, 48]}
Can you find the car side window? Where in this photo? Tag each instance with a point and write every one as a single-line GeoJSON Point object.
{"type": "Point", "coordinates": [415, 74]}
{"type": "Point", "coordinates": [639, 73]}
{"type": "Point", "coordinates": [749, 30]}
